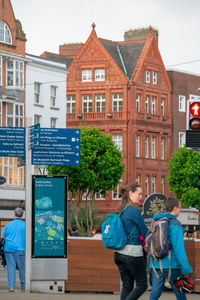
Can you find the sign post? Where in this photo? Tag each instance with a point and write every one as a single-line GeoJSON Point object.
{"type": "Point", "coordinates": [28, 208]}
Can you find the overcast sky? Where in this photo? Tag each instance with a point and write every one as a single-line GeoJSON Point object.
{"type": "Point", "coordinates": [50, 23]}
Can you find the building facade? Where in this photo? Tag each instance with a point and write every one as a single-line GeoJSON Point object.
{"type": "Point", "coordinates": [123, 89]}
{"type": "Point", "coordinates": [12, 103]}
{"type": "Point", "coordinates": [46, 92]}
{"type": "Point", "coordinates": [185, 86]}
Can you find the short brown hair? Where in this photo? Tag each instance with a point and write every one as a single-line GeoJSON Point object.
{"type": "Point", "coordinates": [170, 203]}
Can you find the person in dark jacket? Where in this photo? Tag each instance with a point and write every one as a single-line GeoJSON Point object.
{"type": "Point", "coordinates": [179, 262]}
{"type": "Point", "coordinates": [130, 258]}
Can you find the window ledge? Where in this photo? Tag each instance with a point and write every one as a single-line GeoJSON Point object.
{"type": "Point", "coordinates": [14, 88]}
{"type": "Point", "coordinates": [38, 104]}
{"type": "Point", "coordinates": [53, 107]}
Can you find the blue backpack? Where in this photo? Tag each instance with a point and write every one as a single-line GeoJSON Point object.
{"type": "Point", "coordinates": [113, 234]}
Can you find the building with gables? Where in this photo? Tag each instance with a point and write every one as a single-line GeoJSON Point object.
{"type": "Point", "coordinates": [123, 89]}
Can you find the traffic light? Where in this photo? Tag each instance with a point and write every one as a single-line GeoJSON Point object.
{"type": "Point", "coordinates": [193, 123]}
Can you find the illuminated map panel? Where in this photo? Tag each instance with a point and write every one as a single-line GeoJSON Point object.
{"type": "Point", "coordinates": [49, 218]}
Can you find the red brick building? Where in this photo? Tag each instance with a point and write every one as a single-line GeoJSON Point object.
{"type": "Point", "coordinates": [185, 86]}
{"type": "Point", "coordinates": [12, 102]}
{"type": "Point", "coordinates": [123, 89]}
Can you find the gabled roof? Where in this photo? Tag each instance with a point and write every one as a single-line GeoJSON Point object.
{"type": "Point", "coordinates": [125, 54]}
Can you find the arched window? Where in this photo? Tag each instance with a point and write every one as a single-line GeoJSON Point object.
{"type": "Point", "coordinates": [5, 34]}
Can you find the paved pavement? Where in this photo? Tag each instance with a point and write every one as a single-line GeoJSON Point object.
{"type": "Point", "coordinates": [80, 296]}
{"type": "Point", "coordinates": [17, 295]}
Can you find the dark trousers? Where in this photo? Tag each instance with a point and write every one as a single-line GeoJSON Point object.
{"type": "Point", "coordinates": [131, 269]}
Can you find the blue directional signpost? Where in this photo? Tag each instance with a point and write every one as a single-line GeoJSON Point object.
{"type": "Point", "coordinates": [12, 141]}
{"type": "Point", "coordinates": [57, 146]}
{"type": "Point", "coordinates": [34, 136]}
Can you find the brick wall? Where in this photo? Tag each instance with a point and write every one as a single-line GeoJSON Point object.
{"type": "Point", "coordinates": [193, 252]}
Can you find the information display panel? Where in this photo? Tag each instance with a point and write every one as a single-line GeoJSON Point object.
{"type": "Point", "coordinates": [49, 216]}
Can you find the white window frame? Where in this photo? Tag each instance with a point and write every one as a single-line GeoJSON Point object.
{"type": "Point", "coordinates": [117, 102]}
{"type": "Point", "coordinates": [54, 97]}
{"type": "Point", "coordinates": [162, 148]}
{"type": "Point", "coordinates": [10, 164]}
{"type": "Point", "coordinates": [86, 75]}
{"type": "Point", "coordinates": [115, 193]}
{"type": "Point", "coordinates": [155, 77]}
{"type": "Point", "coordinates": [147, 104]}
{"type": "Point", "coordinates": [16, 119]}
{"type": "Point", "coordinates": [53, 123]}
{"type": "Point", "coordinates": [153, 184]}
{"type": "Point", "coordinates": [153, 105]}
{"type": "Point", "coordinates": [137, 145]}
{"type": "Point", "coordinates": [147, 185]}
{"type": "Point", "coordinates": [1, 68]}
{"type": "Point", "coordinates": [71, 104]}
{"type": "Point", "coordinates": [85, 194]}
{"type": "Point", "coordinates": [37, 119]}
{"type": "Point", "coordinates": [181, 103]}
{"type": "Point", "coordinates": [99, 74]}
{"type": "Point", "coordinates": [163, 185]}
{"type": "Point", "coordinates": [181, 139]}
{"type": "Point", "coordinates": [162, 106]}
{"type": "Point", "coordinates": [118, 141]}
{"type": "Point", "coordinates": [15, 73]}
{"type": "Point", "coordinates": [146, 146]}
{"type": "Point", "coordinates": [138, 179]}
{"type": "Point", "coordinates": [148, 76]}
{"type": "Point", "coordinates": [100, 103]}
{"type": "Point", "coordinates": [5, 33]}
{"type": "Point", "coordinates": [99, 196]}
{"type": "Point", "coordinates": [138, 102]}
{"type": "Point", "coordinates": [87, 103]}
{"type": "Point", "coordinates": [37, 93]}
{"type": "Point", "coordinates": [153, 147]}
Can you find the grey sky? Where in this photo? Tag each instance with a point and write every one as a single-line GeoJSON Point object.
{"type": "Point", "coordinates": [50, 23]}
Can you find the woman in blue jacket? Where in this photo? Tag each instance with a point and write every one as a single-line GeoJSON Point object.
{"type": "Point", "coordinates": [130, 259]}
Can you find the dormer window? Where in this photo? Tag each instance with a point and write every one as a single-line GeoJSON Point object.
{"type": "Point", "coordinates": [154, 77]}
{"type": "Point", "coordinates": [87, 75]}
{"type": "Point", "coordinates": [148, 73]}
{"type": "Point", "coordinates": [99, 74]}
{"type": "Point", "coordinates": [5, 34]}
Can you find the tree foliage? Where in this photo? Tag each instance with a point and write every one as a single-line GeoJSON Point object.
{"type": "Point", "coordinates": [184, 176]}
{"type": "Point", "coordinates": [100, 170]}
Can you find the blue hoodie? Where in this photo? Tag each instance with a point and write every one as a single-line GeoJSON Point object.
{"type": "Point", "coordinates": [178, 255]}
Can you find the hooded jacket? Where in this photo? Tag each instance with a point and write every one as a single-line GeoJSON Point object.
{"type": "Point", "coordinates": [178, 255]}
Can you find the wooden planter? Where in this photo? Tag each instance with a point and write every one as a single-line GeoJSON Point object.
{"type": "Point", "coordinates": [91, 267]}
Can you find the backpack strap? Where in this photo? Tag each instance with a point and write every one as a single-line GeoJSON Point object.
{"type": "Point", "coordinates": [161, 267]}
{"type": "Point", "coordinates": [125, 207]}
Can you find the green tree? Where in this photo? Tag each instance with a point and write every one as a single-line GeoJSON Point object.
{"type": "Point", "coordinates": [184, 176]}
{"type": "Point", "coordinates": [100, 170]}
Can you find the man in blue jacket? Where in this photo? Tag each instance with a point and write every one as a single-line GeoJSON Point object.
{"type": "Point", "coordinates": [179, 262]}
{"type": "Point", "coordinates": [14, 235]}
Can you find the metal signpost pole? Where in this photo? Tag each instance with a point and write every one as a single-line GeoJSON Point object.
{"type": "Point", "coordinates": [28, 209]}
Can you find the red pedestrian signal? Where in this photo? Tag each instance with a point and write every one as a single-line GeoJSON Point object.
{"type": "Point", "coordinates": [195, 109]}
{"type": "Point", "coordinates": [194, 115]}
{"type": "Point", "coordinates": [193, 124]}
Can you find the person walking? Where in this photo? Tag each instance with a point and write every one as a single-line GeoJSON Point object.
{"type": "Point", "coordinates": [130, 259]}
{"type": "Point", "coordinates": [14, 235]}
{"type": "Point", "coordinates": [178, 262]}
